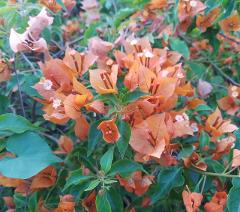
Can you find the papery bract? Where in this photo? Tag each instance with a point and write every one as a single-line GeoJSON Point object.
{"type": "Point", "coordinates": [109, 130]}
{"type": "Point", "coordinates": [30, 40]}
{"type": "Point", "coordinates": [217, 203]}
{"type": "Point", "coordinates": [192, 200]}
{"type": "Point", "coordinates": [136, 183]}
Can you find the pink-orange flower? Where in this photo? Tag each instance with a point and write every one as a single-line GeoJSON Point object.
{"type": "Point", "coordinates": [217, 203]}
{"type": "Point", "coordinates": [60, 79]}
{"type": "Point", "coordinates": [66, 203]}
{"type": "Point", "coordinates": [30, 40]}
{"type": "Point", "coordinates": [236, 158]}
{"type": "Point", "coordinates": [104, 82]}
{"type": "Point", "coordinates": [195, 161]}
{"type": "Point", "coordinates": [81, 127]}
{"type": "Point", "coordinates": [51, 5]}
{"type": "Point", "coordinates": [157, 4]}
{"type": "Point", "coordinates": [44, 179]}
{"type": "Point", "coordinates": [89, 202]}
{"type": "Point", "coordinates": [229, 103]}
{"type": "Point", "coordinates": [5, 73]}
{"type": "Point", "coordinates": [109, 130]}
{"type": "Point", "coordinates": [150, 136]}
{"type": "Point", "coordinates": [205, 21]}
{"type": "Point", "coordinates": [79, 62]}
{"type": "Point", "coordinates": [136, 183]}
{"type": "Point", "coordinates": [223, 147]}
{"type": "Point", "coordinates": [192, 200]}
{"type": "Point", "coordinates": [92, 10]}
{"type": "Point", "coordinates": [231, 23]}
{"type": "Point", "coordinates": [216, 125]}
{"type": "Point", "coordinates": [66, 145]}
{"type": "Point", "coordinates": [99, 47]}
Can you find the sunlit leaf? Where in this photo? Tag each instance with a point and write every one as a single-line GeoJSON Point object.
{"type": "Point", "coordinates": [32, 156]}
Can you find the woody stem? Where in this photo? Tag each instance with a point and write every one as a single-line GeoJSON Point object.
{"type": "Point", "coordinates": [19, 87]}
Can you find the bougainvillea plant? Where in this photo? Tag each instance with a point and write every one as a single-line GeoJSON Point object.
{"type": "Point", "coordinates": [119, 105]}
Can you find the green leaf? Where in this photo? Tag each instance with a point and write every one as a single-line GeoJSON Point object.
{"type": "Point", "coordinates": [203, 108]}
{"type": "Point", "coordinates": [233, 202]}
{"type": "Point", "coordinates": [133, 96]}
{"type": "Point", "coordinates": [106, 160]}
{"type": "Point", "coordinates": [4, 104]}
{"type": "Point", "coordinates": [76, 177]}
{"type": "Point", "coordinates": [168, 179]}
{"type": "Point", "coordinates": [19, 200]}
{"type": "Point", "coordinates": [124, 167]}
{"type": "Point", "coordinates": [122, 14]}
{"type": "Point", "coordinates": [204, 140]}
{"type": "Point", "coordinates": [237, 135]}
{"type": "Point", "coordinates": [90, 32]}
{"type": "Point", "coordinates": [32, 156]}
{"type": "Point", "coordinates": [228, 9]}
{"type": "Point", "coordinates": [211, 4]}
{"type": "Point", "coordinates": [180, 46]}
{"type": "Point", "coordinates": [236, 182]}
{"type": "Point", "coordinates": [11, 123]}
{"type": "Point", "coordinates": [185, 152]}
{"type": "Point", "coordinates": [125, 131]}
{"type": "Point", "coordinates": [33, 202]}
{"type": "Point", "coordinates": [217, 167]}
{"type": "Point", "coordinates": [6, 10]}
{"type": "Point", "coordinates": [92, 185]}
{"type": "Point", "coordinates": [115, 199]}
{"type": "Point", "coordinates": [210, 34]}
{"type": "Point", "coordinates": [102, 203]}
{"type": "Point", "coordinates": [197, 68]}
{"type": "Point", "coordinates": [94, 137]}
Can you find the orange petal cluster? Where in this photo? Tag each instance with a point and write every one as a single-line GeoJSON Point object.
{"type": "Point", "coordinates": [192, 200]}
{"type": "Point", "coordinates": [109, 130]}
{"type": "Point", "coordinates": [217, 203]}
{"type": "Point", "coordinates": [30, 40]}
{"type": "Point", "coordinates": [230, 103]}
{"type": "Point", "coordinates": [44, 179]}
{"type": "Point", "coordinates": [5, 72]}
{"type": "Point", "coordinates": [136, 183]}
{"type": "Point", "coordinates": [63, 96]}
{"type": "Point", "coordinates": [66, 204]}
{"type": "Point", "coordinates": [187, 10]}
{"type": "Point", "coordinates": [216, 126]}
{"type": "Point", "coordinates": [231, 23]}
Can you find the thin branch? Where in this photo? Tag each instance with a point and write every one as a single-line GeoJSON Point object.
{"type": "Point", "coordinates": [49, 137]}
{"type": "Point", "coordinates": [19, 86]}
{"type": "Point", "coordinates": [75, 41]}
{"type": "Point", "coordinates": [29, 62]}
{"type": "Point", "coordinates": [225, 76]}
{"type": "Point", "coordinates": [204, 182]}
{"type": "Point", "coordinates": [215, 174]}
{"type": "Point", "coordinates": [216, 68]}
{"type": "Point", "coordinates": [229, 38]}
{"type": "Point", "coordinates": [58, 45]}
{"type": "Point", "coordinates": [34, 111]}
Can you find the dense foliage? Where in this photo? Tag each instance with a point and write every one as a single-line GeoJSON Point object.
{"type": "Point", "coordinates": [119, 105]}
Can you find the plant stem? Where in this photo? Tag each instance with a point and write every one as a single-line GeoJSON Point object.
{"type": "Point", "coordinates": [229, 38]}
{"type": "Point", "coordinates": [216, 68]}
{"type": "Point", "coordinates": [19, 86]}
{"type": "Point", "coordinates": [229, 79]}
{"type": "Point", "coordinates": [215, 174]}
{"type": "Point", "coordinates": [29, 62]}
{"type": "Point", "coordinates": [49, 137]}
{"type": "Point", "coordinates": [203, 185]}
